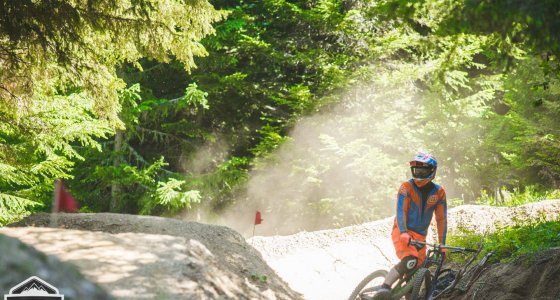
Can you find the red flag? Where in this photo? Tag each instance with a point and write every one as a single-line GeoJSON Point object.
{"type": "Point", "coordinates": [258, 218]}
{"type": "Point", "coordinates": [63, 201]}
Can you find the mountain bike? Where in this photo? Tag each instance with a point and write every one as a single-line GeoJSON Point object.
{"type": "Point", "coordinates": [471, 275]}
{"type": "Point", "coordinates": [424, 282]}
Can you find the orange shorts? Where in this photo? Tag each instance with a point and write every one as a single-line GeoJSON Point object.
{"type": "Point", "coordinates": [404, 250]}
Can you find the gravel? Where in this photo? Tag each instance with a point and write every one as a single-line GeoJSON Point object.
{"type": "Point", "coordinates": [160, 258]}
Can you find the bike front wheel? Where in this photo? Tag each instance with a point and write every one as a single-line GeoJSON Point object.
{"type": "Point", "coordinates": [422, 288]}
{"type": "Point", "coordinates": [367, 288]}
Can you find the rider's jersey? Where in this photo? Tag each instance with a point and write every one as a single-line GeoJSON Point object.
{"type": "Point", "coordinates": [416, 206]}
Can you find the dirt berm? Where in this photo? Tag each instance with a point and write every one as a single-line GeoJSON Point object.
{"type": "Point", "coordinates": [143, 257]}
{"type": "Point", "coordinates": [139, 257]}
{"type": "Point", "coordinates": [530, 277]}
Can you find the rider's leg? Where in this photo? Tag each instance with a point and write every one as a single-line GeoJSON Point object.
{"type": "Point", "coordinates": [403, 251]}
{"type": "Point", "coordinates": [391, 277]}
{"type": "Point", "coordinates": [405, 266]}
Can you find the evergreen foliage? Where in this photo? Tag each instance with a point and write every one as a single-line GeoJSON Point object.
{"type": "Point", "coordinates": [308, 109]}
{"type": "Point", "coordinates": [59, 83]}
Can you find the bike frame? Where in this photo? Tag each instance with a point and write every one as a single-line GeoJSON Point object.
{"type": "Point", "coordinates": [403, 286]}
{"type": "Point", "coordinates": [412, 283]}
{"type": "Point", "coordinates": [434, 257]}
{"type": "Point", "coordinates": [405, 283]}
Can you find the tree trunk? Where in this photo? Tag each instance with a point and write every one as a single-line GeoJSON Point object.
{"type": "Point", "coordinates": [116, 187]}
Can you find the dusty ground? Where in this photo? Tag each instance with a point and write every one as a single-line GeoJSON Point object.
{"type": "Point", "coordinates": [157, 258]}
{"type": "Point", "coordinates": [19, 262]}
{"type": "Point", "coordinates": [140, 257]}
{"type": "Point", "coordinates": [328, 264]}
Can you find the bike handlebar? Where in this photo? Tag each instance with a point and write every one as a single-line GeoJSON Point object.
{"type": "Point", "coordinates": [439, 246]}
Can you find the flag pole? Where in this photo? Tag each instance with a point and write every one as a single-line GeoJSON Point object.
{"type": "Point", "coordinates": [252, 237]}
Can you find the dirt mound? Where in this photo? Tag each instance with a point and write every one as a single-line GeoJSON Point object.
{"type": "Point", "coordinates": [155, 258]}
{"type": "Point", "coordinates": [18, 262]}
{"type": "Point", "coordinates": [481, 218]}
{"type": "Point", "coordinates": [530, 277]}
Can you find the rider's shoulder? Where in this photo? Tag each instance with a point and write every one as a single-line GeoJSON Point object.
{"type": "Point", "coordinates": [406, 187]}
{"type": "Point", "coordinates": [407, 184]}
{"type": "Point", "coordinates": [439, 189]}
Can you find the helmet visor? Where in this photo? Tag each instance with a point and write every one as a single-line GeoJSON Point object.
{"type": "Point", "coordinates": [421, 171]}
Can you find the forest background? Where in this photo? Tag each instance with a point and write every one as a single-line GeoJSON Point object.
{"type": "Point", "coordinates": [306, 110]}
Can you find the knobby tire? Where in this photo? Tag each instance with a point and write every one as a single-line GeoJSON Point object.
{"type": "Point", "coordinates": [365, 281]}
{"type": "Point", "coordinates": [423, 278]}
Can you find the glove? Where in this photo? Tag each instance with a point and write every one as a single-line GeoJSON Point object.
{"type": "Point", "coordinates": [405, 238]}
{"type": "Point", "coordinates": [443, 253]}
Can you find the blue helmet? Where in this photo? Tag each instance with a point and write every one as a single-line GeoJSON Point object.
{"type": "Point", "coordinates": [423, 167]}
{"type": "Point", "coordinates": [425, 158]}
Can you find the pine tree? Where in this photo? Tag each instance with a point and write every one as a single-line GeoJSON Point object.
{"type": "Point", "coordinates": [59, 83]}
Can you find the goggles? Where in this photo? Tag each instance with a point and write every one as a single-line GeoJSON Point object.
{"type": "Point", "coordinates": [421, 171]}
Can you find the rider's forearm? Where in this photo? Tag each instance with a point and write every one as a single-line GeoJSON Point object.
{"type": "Point", "coordinates": [402, 210]}
{"type": "Point", "coordinates": [441, 220]}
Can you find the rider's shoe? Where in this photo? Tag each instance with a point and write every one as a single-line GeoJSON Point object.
{"type": "Point", "coordinates": [384, 293]}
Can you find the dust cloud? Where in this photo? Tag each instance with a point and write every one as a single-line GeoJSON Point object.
{"type": "Point", "coordinates": [206, 157]}
{"type": "Point", "coordinates": [341, 166]}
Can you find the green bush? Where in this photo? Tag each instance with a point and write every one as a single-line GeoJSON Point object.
{"type": "Point", "coordinates": [529, 194]}
{"type": "Point", "coordinates": [523, 238]}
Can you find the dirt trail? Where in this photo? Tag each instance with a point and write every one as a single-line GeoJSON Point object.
{"type": "Point", "coordinates": [328, 264]}
{"type": "Point", "coordinates": [137, 257]}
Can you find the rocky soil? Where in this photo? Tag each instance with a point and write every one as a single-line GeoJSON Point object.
{"type": "Point", "coordinates": [141, 257]}
{"type": "Point", "coordinates": [19, 261]}
{"type": "Point", "coordinates": [138, 257]}
{"type": "Point", "coordinates": [530, 277]}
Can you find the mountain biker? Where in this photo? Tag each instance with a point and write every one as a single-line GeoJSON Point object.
{"type": "Point", "coordinates": [417, 200]}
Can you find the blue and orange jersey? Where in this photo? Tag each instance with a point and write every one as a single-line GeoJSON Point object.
{"type": "Point", "coordinates": [416, 207]}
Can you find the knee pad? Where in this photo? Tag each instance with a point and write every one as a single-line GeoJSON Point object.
{"type": "Point", "coordinates": [407, 264]}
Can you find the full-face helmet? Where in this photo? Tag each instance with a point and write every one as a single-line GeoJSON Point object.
{"type": "Point", "coordinates": [423, 167]}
